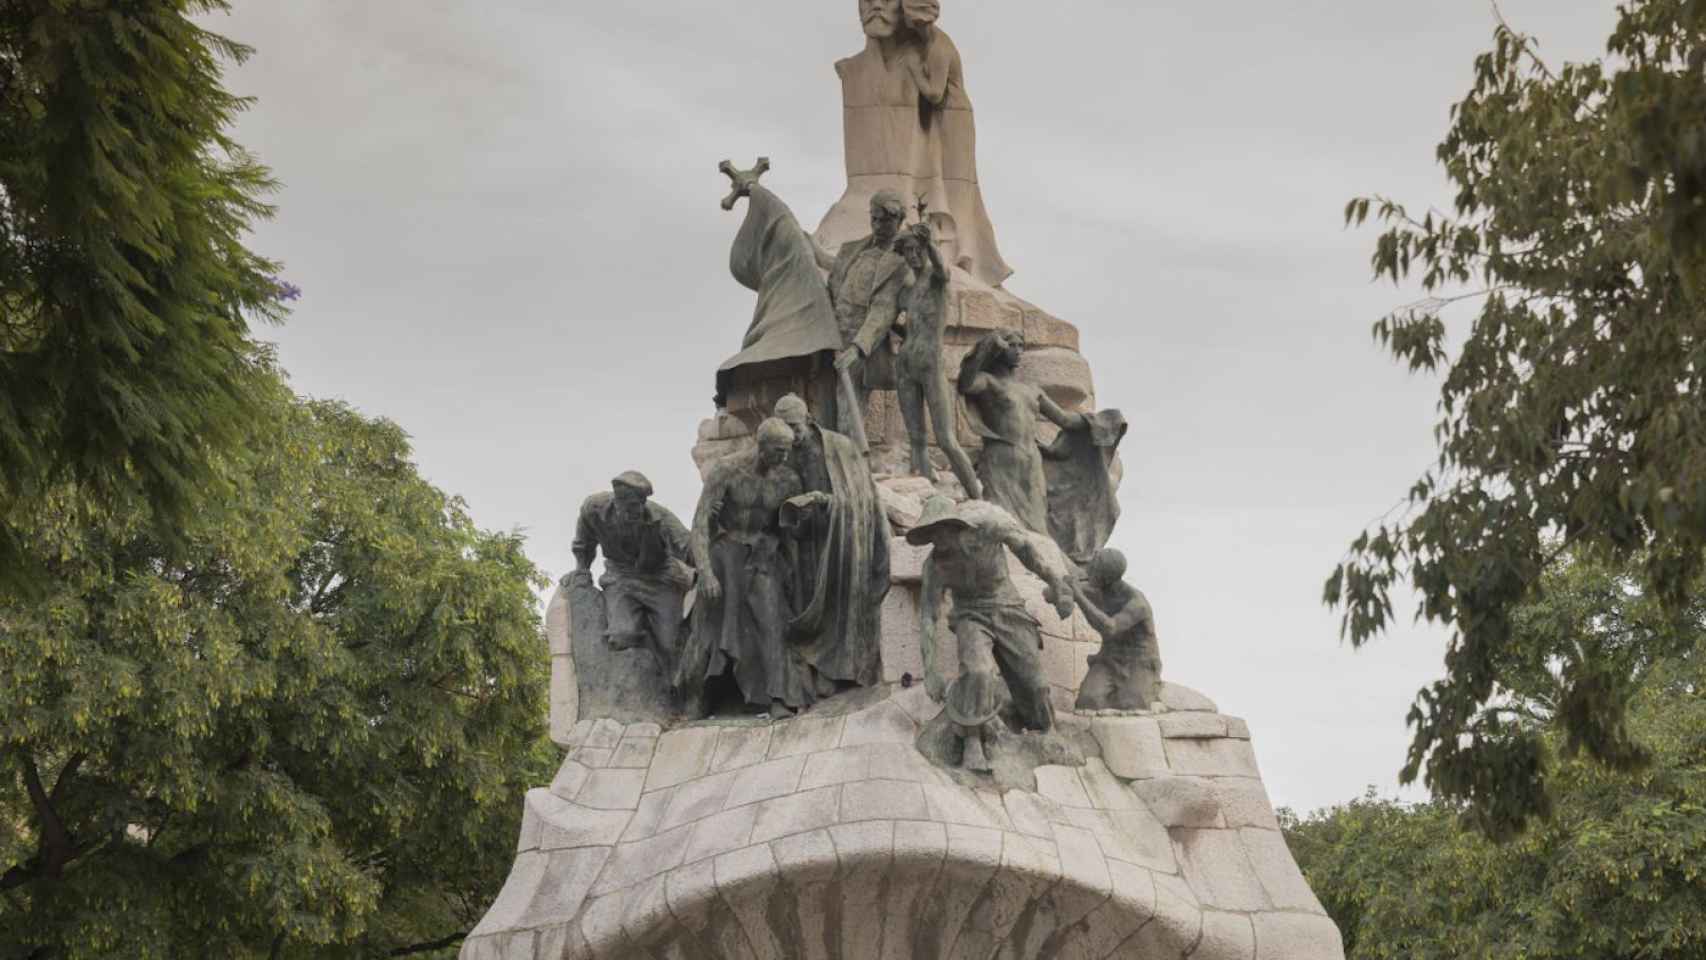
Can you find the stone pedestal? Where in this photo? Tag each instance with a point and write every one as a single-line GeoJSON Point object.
{"type": "Point", "coordinates": [827, 835]}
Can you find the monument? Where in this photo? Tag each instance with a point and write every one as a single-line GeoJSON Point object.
{"type": "Point", "coordinates": [913, 708]}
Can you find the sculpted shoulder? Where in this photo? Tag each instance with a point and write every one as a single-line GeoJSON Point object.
{"type": "Point", "coordinates": [984, 515]}
{"type": "Point", "coordinates": [725, 471]}
{"type": "Point", "coordinates": [662, 514]}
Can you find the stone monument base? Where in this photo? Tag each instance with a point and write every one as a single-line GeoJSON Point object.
{"type": "Point", "coordinates": [828, 835]}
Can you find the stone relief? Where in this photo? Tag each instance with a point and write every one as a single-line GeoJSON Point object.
{"type": "Point", "coordinates": [908, 129]}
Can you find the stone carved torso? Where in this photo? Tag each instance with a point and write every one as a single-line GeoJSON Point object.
{"type": "Point", "coordinates": [808, 461]}
{"type": "Point", "coordinates": [973, 566]}
{"type": "Point", "coordinates": [925, 303]}
{"type": "Point", "coordinates": [865, 273]}
{"type": "Point", "coordinates": [1010, 409]}
{"type": "Point", "coordinates": [642, 546]}
{"type": "Point", "coordinates": [750, 501]}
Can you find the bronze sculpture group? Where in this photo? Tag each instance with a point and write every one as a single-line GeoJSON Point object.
{"type": "Point", "coordinates": [788, 551]}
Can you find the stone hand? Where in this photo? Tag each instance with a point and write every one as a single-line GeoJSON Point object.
{"type": "Point", "coordinates": [934, 685]}
{"type": "Point", "coordinates": [921, 230]}
{"type": "Point", "coordinates": [847, 358]}
{"type": "Point", "coordinates": [577, 575]}
{"type": "Point", "coordinates": [1063, 606]}
{"type": "Point", "coordinates": [710, 588]}
{"type": "Point", "coordinates": [1061, 599]}
{"type": "Point", "coordinates": [679, 574]}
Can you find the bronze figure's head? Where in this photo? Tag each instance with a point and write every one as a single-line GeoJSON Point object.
{"type": "Point", "coordinates": [792, 411]}
{"type": "Point", "coordinates": [775, 440]}
{"type": "Point", "coordinates": [911, 248]}
{"type": "Point", "coordinates": [888, 211]}
{"type": "Point", "coordinates": [630, 490]}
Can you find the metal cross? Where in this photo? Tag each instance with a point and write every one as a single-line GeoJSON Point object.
{"type": "Point", "coordinates": [742, 181]}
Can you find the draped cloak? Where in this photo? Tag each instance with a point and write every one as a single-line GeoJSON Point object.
{"type": "Point", "coordinates": [773, 256]}
{"type": "Point", "coordinates": [1082, 508]}
{"type": "Point", "coordinates": [843, 571]}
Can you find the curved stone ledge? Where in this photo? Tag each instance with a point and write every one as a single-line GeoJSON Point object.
{"type": "Point", "coordinates": [829, 836]}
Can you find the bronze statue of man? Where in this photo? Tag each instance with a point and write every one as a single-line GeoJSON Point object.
{"type": "Point", "coordinates": [994, 631]}
{"type": "Point", "coordinates": [1126, 673]}
{"type": "Point", "coordinates": [745, 595]}
{"type": "Point", "coordinates": [1004, 411]}
{"type": "Point", "coordinates": [842, 544]}
{"type": "Point", "coordinates": [865, 279]}
{"type": "Point", "coordinates": [920, 384]}
{"type": "Point", "coordinates": [646, 573]}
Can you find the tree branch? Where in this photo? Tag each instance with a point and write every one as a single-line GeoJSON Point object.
{"type": "Point", "coordinates": [1522, 41]}
{"type": "Point", "coordinates": [66, 773]}
{"type": "Point", "coordinates": [449, 941]}
{"type": "Point", "coordinates": [53, 846]}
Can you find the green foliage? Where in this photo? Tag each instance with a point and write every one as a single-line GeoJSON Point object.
{"type": "Point", "coordinates": [125, 360]}
{"type": "Point", "coordinates": [302, 733]}
{"type": "Point", "coordinates": [1574, 414]}
{"type": "Point", "coordinates": [1619, 868]}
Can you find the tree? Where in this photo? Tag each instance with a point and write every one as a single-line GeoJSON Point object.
{"type": "Point", "coordinates": [125, 286]}
{"type": "Point", "coordinates": [1615, 872]}
{"type": "Point", "coordinates": [304, 733]}
{"type": "Point", "coordinates": [1573, 416]}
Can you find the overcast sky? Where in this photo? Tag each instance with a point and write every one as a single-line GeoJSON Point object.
{"type": "Point", "coordinates": [504, 219]}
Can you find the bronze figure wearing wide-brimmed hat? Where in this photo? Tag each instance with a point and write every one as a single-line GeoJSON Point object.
{"type": "Point", "coordinates": [998, 638]}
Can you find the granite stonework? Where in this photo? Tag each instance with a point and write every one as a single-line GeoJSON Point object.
{"type": "Point", "coordinates": [829, 836]}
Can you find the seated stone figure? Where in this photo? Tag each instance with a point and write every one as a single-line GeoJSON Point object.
{"type": "Point", "coordinates": [995, 633]}
{"type": "Point", "coordinates": [1126, 673]}
{"type": "Point", "coordinates": [746, 591]}
{"type": "Point", "coordinates": [646, 573]}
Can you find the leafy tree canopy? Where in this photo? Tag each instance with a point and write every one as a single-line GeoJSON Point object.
{"type": "Point", "coordinates": [1615, 873]}
{"type": "Point", "coordinates": [125, 359]}
{"type": "Point", "coordinates": [1573, 415]}
{"type": "Point", "coordinates": [303, 733]}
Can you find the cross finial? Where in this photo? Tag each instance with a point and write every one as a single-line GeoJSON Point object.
{"type": "Point", "coordinates": [742, 181]}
